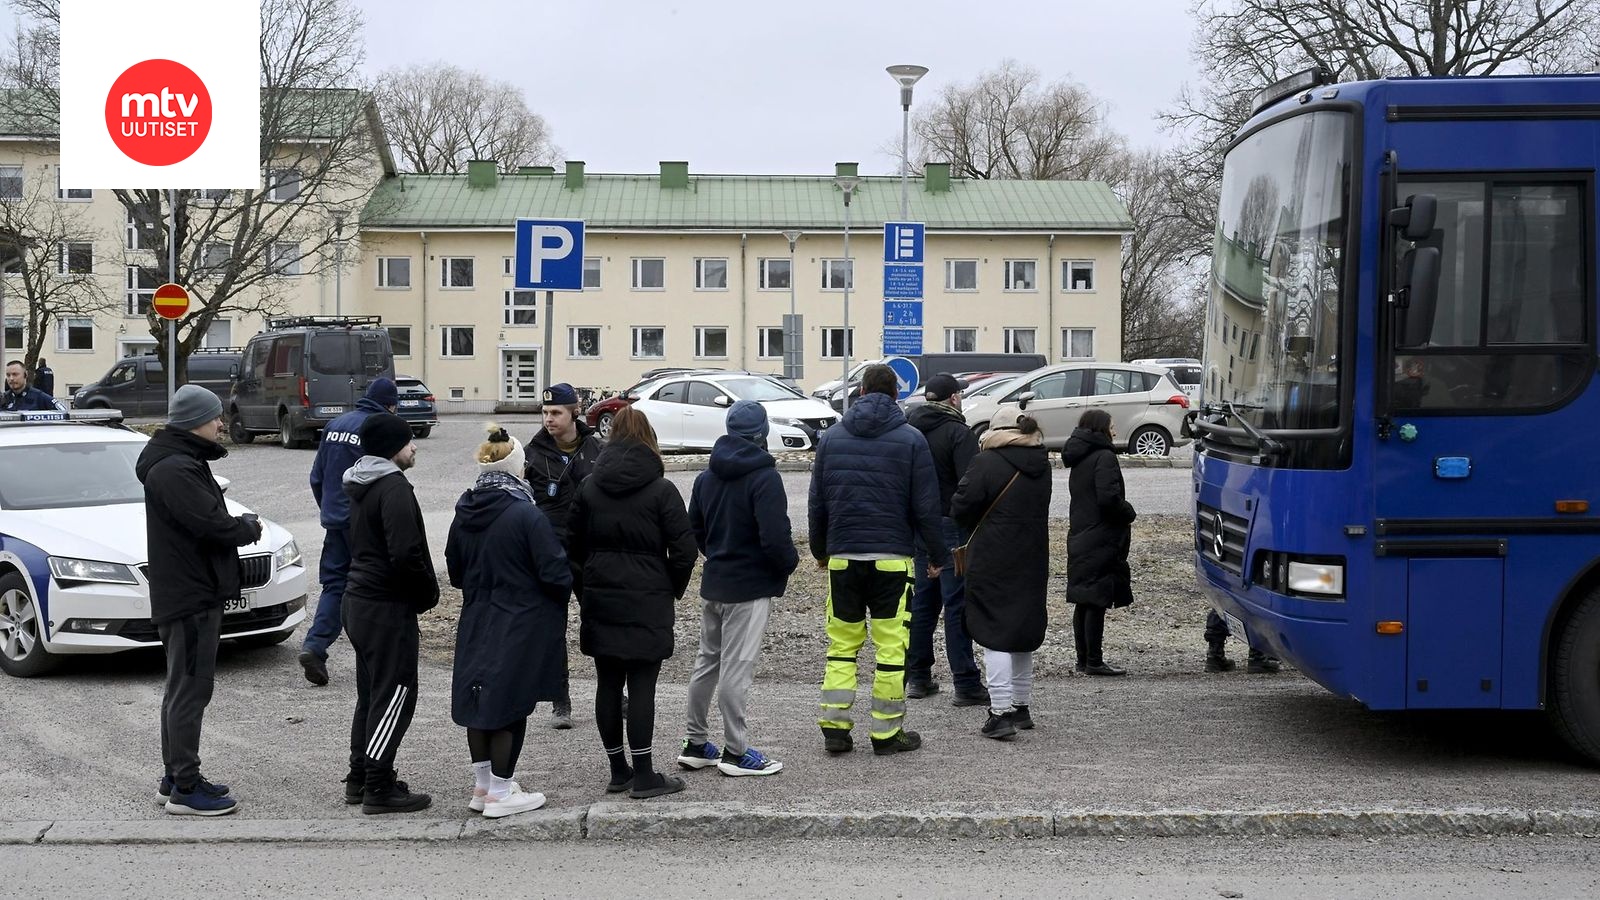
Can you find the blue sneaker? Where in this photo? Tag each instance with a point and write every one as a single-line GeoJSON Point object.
{"type": "Point", "coordinates": [200, 803]}
{"type": "Point", "coordinates": [164, 792]}
{"type": "Point", "coordinates": [751, 763]}
{"type": "Point", "coordinates": [698, 756]}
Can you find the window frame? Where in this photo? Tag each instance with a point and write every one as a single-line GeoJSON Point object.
{"type": "Point", "coordinates": [950, 334]}
{"type": "Point", "coordinates": [394, 344]}
{"type": "Point", "coordinates": [638, 269]}
{"type": "Point", "coordinates": [1010, 273]}
{"type": "Point", "coordinates": [1011, 332]}
{"type": "Point", "coordinates": [1066, 276]}
{"type": "Point", "coordinates": [827, 273]}
{"type": "Point", "coordinates": [64, 328]}
{"type": "Point", "coordinates": [21, 179]}
{"type": "Point", "coordinates": [273, 183]}
{"type": "Point", "coordinates": [1066, 343]}
{"type": "Point", "coordinates": [64, 257]}
{"type": "Point", "coordinates": [508, 308]}
{"type": "Point", "coordinates": [700, 272]}
{"type": "Point", "coordinates": [700, 334]}
{"type": "Point", "coordinates": [444, 273]}
{"type": "Point", "coordinates": [764, 278]}
{"type": "Point", "coordinates": [132, 292]}
{"type": "Point", "coordinates": [950, 265]}
{"type": "Point", "coordinates": [386, 277]}
{"type": "Point", "coordinates": [572, 341]}
{"type": "Point", "coordinates": [276, 266]}
{"type": "Point", "coordinates": [447, 346]}
{"type": "Point", "coordinates": [65, 195]}
{"type": "Point", "coordinates": [599, 268]}
{"type": "Point", "coordinates": [764, 342]}
{"type": "Point", "coordinates": [637, 331]}
{"type": "Point", "coordinates": [845, 334]}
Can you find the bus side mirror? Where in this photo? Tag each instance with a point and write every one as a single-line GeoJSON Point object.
{"type": "Point", "coordinates": [1415, 219]}
{"type": "Point", "coordinates": [1417, 295]}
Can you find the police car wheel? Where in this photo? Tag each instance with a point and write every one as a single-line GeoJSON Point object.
{"type": "Point", "coordinates": [22, 653]}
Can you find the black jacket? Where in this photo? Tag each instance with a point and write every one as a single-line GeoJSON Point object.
{"type": "Point", "coordinates": [740, 517]}
{"type": "Point", "coordinates": [1100, 519]}
{"type": "Point", "coordinates": [631, 536]}
{"type": "Point", "coordinates": [950, 441]}
{"type": "Point", "coordinates": [29, 399]}
{"type": "Point", "coordinates": [511, 642]}
{"type": "Point", "coordinates": [45, 380]}
{"type": "Point", "coordinates": [547, 466]}
{"type": "Point", "coordinates": [389, 559]}
{"type": "Point", "coordinates": [192, 541]}
{"type": "Point", "coordinates": [1008, 558]}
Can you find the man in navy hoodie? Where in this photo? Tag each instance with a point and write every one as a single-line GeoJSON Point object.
{"type": "Point", "coordinates": [338, 451]}
{"type": "Point", "coordinates": [740, 518]}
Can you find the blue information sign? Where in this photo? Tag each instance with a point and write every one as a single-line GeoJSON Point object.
{"type": "Point", "coordinates": [902, 314]}
{"type": "Point", "coordinates": [902, 282]}
{"type": "Point", "coordinates": [549, 255]}
{"type": "Point", "coordinates": [902, 242]}
{"type": "Point", "coordinates": [905, 371]}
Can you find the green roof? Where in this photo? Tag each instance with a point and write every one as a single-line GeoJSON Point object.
{"type": "Point", "coordinates": [719, 202]}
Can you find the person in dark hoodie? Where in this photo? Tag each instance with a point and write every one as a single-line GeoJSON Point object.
{"type": "Point", "coordinates": [952, 445]}
{"type": "Point", "coordinates": [391, 583]}
{"type": "Point", "coordinates": [560, 456]}
{"type": "Point", "coordinates": [1099, 536]}
{"type": "Point", "coordinates": [740, 518]}
{"type": "Point", "coordinates": [338, 450]}
{"type": "Point", "coordinates": [1004, 503]}
{"type": "Point", "coordinates": [194, 568]}
{"type": "Point", "coordinates": [874, 491]}
{"type": "Point", "coordinates": [630, 536]}
{"type": "Point", "coordinates": [511, 641]}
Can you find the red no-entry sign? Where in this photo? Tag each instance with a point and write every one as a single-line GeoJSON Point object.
{"type": "Point", "coordinates": [171, 301]}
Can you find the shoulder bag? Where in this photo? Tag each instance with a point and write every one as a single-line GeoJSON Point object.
{"type": "Point", "coordinates": [959, 554]}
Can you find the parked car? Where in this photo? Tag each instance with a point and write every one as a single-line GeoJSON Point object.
{"type": "Point", "coordinates": [137, 385]}
{"type": "Point", "coordinates": [690, 411]}
{"type": "Point", "coordinates": [1186, 371]}
{"type": "Point", "coordinates": [1147, 407]}
{"type": "Point", "coordinates": [304, 372]}
{"type": "Point", "coordinates": [976, 381]}
{"type": "Point", "coordinates": [601, 412]}
{"type": "Point", "coordinates": [417, 405]}
{"type": "Point", "coordinates": [73, 552]}
{"type": "Point", "coordinates": [930, 364]}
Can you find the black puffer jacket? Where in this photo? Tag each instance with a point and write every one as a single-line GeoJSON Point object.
{"type": "Point", "coordinates": [630, 534]}
{"type": "Point", "coordinates": [951, 442]}
{"type": "Point", "coordinates": [389, 558]}
{"type": "Point", "coordinates": [1008, 558]}
{"type": "Point", "coordinates": [192, 541]}
{"type": "Point", "coordinates": [1100, 519]}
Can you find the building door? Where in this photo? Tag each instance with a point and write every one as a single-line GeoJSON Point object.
{"type": "Point", "coordinates": [519, 375]}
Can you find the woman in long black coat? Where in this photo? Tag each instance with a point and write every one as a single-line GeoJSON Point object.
{"type": "Point", "coordinates": [1099, 536]}
{"type": "Point", "coordinates": [1004, 501]}
{"type": "Point", "coordinates": [630, 536]}
{"type": "Point", "coordinates": [512, 637]}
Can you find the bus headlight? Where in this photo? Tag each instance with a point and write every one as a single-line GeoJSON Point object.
{"type": "Point", "coordinates": [1316, 578]}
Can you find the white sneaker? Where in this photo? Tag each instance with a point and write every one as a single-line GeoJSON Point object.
{"type": "Point", "coordinates": [515, 802]}
{"type": "Point", "coordinates": [479, 798]}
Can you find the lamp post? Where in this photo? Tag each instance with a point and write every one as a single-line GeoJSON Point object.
{"type": "Point", "coordinates": [847, 184]}
{"type": "Point", "coordinates": [338, 261]}
{"type": "Point", "coordinates": [906, 77]}
{"type": "Point", "coordinates": [793, 363]}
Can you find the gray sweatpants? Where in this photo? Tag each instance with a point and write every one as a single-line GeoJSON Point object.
{"type": "Point", "coordinates": [730, 641]}
{"type": "Point", "coordinates": [191, 647]}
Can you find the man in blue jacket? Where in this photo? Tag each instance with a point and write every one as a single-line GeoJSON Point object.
{"type": "Point", "coordinates": [338, 451]}
{"type": "Point", "coordinates": [874, 491]}
{"type": "Point", "coordinates": [740, 517]}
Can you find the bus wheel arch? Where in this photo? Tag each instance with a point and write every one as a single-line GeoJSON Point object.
{"type": "Point", "coordinates": [1572, 666]}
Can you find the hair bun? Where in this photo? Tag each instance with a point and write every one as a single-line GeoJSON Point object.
{"type": "Point", "coordinates": [497, 434]}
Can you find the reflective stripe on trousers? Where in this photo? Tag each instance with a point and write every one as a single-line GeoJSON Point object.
{"type": "Point", "coordinates": [890, 637]}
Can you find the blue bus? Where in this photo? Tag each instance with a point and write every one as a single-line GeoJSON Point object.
{"type": "Point", "coordinates": [1397, 475]}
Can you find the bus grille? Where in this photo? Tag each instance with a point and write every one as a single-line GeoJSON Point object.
{"type": "Point", "coordinates": [1220, 537]}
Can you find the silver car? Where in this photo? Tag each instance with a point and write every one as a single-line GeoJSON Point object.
{"type": "Point", "coordinates": [1147, 407]}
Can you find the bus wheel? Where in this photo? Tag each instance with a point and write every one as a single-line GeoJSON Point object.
{"type": "Point", "coordinates": [1575, 679]}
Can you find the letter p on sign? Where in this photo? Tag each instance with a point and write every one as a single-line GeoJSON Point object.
{"type": "Point", "coordinates": [549, 255]}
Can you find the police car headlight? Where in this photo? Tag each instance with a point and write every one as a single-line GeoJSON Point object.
{"type": "Point", "coordinates": [1316, 578]}
{"type": "Point", "coordinates": [65, 569]}
{"type": "Point", "coordinates": [287, 555]}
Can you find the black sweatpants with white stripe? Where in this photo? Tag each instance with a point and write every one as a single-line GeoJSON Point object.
{"type": "Point", "coordinates": [385, 638]}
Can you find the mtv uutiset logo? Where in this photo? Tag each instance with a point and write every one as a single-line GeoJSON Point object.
{"type": "Point", "coordinates": [164, 93]}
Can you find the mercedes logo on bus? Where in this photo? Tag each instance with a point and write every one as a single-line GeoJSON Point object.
{"type": "Point", "coordinates": [1218, 545]}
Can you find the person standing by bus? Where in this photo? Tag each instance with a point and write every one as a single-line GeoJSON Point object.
{"type": "Point", "coordinates": [1099, 536]}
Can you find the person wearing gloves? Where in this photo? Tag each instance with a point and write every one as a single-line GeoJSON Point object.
{"type": "Point", "coordinates": [1099, 536]}
{"type": "Point", "coordinates": [511, 640]}
{"type": "Point", "coordinates": [193, 546]}
{"type": "Point", "coordinates": [740, 518]}
{"type": "Point", "coordinates": [1003, 502]}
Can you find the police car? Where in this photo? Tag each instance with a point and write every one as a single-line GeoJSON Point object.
{"type": "Point", "coordinates": [72, 547]}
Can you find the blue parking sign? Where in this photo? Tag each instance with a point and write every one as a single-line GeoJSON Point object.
{"type": "Point", "coordinates": [549, 255]}
{"type": "Point", "coordinates": [902, 242]}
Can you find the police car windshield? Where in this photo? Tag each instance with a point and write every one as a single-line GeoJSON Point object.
{"type": "Point", "coordinates": [54, 476]}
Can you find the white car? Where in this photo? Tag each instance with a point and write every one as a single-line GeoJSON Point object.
{"type": "Point", "coordinates": [690, 411]}
{"type": "Point", "coordinates": [1146, 406]}
{"type": "Point", "coordinates": [72, 548]}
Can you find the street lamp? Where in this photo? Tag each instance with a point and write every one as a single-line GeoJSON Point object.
{"type": "Point", "coordinates": [906, 76]}
{"type": "Point", "coordinates": [847, 184]}
{"type": "Point", "coordinates": [793, 364]}
{"type": "Point", "coordinates": [338, 261]}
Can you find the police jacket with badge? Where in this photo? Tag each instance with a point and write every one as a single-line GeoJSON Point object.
{"type": "Point", "coordinates": [338, 450]}
{"type": "Point", "coordinates": [554, 474]}
{"type": "Point", "coordinates": [29, 399]}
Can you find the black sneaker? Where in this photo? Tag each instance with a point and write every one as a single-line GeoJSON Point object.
{"type": "Point", "coordinates": [902, 742]}
{"type": "Point", "coordinates": [979, 697]}
{"type": "Point", "coordinates": [1000, 726]}
{"type": "Point", "coordinates": [1217, 662]}
{"type": "Point", "coordinates": [397, 799]}
{"type": "Point", "coordinates": [164, 789]}
{"type": "Point", "coordinates": [1021, 718]}
{"type": "Point", "coordinates": [1262, 664]}
{"type": "Point", "coordinates": [919, 688]}
{"type": "Point", "coordinates": [316, 667]}
{"type": "Point", "coordinates": [837, 740]}
{"type": "Point", "coordinates": [561, 715]}
{"type": "Point", "coordinates": [354, 786]}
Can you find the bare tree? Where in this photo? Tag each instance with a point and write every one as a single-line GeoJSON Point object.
{"type": "Point", "coordinates": [439, 116]}
{"type": "Point", "coordinates": [1161, 310]}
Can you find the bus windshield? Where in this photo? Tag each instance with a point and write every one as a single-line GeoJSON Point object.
{"type": "Point", "coordinates": [1273, 320]}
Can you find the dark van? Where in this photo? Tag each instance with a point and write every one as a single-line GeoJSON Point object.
{"type": "Point", "coordinates": [137, 385]}
{"type": "Point", "coordinates": [304, 372]}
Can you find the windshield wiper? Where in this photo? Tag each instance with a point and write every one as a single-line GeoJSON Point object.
{"type": "Point", "coordinates": [1230, 408]}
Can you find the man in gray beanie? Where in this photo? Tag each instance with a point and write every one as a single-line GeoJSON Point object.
{"type": "Point", "coordinates": [740, 518]}
{"type": "Point", "coordinates": [194, 569]}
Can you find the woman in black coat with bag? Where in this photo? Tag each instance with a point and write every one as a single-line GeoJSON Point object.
{"type": "Point", "coordinates": [511, 641]}
{"type": "Point", "coordinates": [1099, 537]}
{"type": "Point", "coordinates": [630, 536]}
{"type": "Point", "coordinates": [1004, 502]}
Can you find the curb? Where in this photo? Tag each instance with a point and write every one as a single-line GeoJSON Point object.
{"type": "Point", "coordinates": [735, 821]}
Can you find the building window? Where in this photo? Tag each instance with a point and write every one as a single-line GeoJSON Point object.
{"type": "Point", "coordinates": [1021, 340]}
{"type": "Point", "coordinates": [75, 335]}
{"type": "Point", "coordinates": [141, 286]}
{"type": "Point", "coordinates": [1077, 275]}
{"type": "Point", "coordinates": [394, 271]}
{"type": "Point", "coordinates": [710, 343]}
{"type": "Point", "coordinates": [10, 182]}
{"type": "Point", "coordinates": [144, 228]}
{"type": "Point", "coordinates": [960, 340]}
{"type": "Point", "coordinates": [283, 184]}
{"type": "Point", "coordinates": [77, 258]}
{"type": "Point", "coordinates": [522, 308]}
{"type": "Point", "coordinates": [214, 256]}
{"type": "Point", "coordinates": [71, 193]}
{"type": "Point", "coordinates": [769, 342]}
{"type": "Point", "coordinates": [649, 342]}
{"type": "Point", "coordinates": [455, 272]}
{"type": "Point", "coordinates": [400, 339]}
{"type": "Point", "coordinates": [1022, 274]}
{"type": "Point", "coordinates": [960, 274]}
{"type": "Point", "coordinates": [837, 275]}
{"type": "Point", "coordinates": [837, 344]}
{"type": "Point", "coordinates": [457, 340]}
{"type": "Point", "coordinates": [212, 195]}
{"type": "Point", "coordinates": [508, 266]}
{"type": "Point", "coordinates": [583, 341]}
{"type": "Point", "coordinates": [1077, 343]}
{"type": "Point", "coordinates": [710, 274]}
{"type": "Point", "coordinates": [591, 273]}
{"type": "Point", "coordinates": [649, 274]}
{"type": "Point", "coordinates": [15, 338]}
{"type": "Point", "coordinates": [776, 274]}
{"type": "Point", "coordinates": [220, 334]}
{"type": "Point", "coordinates": [283, 258]}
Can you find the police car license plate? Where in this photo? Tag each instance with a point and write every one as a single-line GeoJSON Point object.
{"type": "Point", "coordinates": [236, 605]}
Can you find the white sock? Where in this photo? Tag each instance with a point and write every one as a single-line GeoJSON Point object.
{"type": "Point", "coordinates": [481, 774]}
{"type": "Point", "coordinates": [499, 788]}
